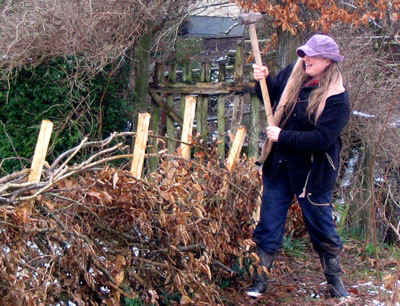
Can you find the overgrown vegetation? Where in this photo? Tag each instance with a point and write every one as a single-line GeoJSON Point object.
{"type": "Point", "coordinates": [93, 237]}
{"type": "Point", "coordinates": [371, 154]}
{"type": "Point", "coordinates": [80, 106]}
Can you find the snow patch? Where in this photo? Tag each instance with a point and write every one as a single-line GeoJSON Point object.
{"type": "Point", "coordinates": [364, 115]}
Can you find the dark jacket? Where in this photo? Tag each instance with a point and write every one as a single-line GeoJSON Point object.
{"type": "Point", "coordinates": [311, 152]}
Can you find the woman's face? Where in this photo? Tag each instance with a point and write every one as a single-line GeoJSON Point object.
{"type": "Point", "coordinates": [315, 65]}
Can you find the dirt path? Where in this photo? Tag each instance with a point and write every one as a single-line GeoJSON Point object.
{"type": "Point", "coordinates": [298, 280]}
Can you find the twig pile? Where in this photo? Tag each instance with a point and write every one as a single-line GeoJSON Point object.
{"type": "Point", "coordinates": [14, 188]}
{"type": "Point", "coordinates": [87, 234]}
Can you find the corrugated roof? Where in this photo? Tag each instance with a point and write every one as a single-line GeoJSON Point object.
{"type": "Point", "coordinates": [211, 27]}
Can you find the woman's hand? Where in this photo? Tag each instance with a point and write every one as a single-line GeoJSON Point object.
{"type": "Point", "coordinates": [273, 133]}
{"type": "Point", "coordinates": [260, 72]}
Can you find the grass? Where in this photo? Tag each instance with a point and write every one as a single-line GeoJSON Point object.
{"type": "Point", "coordinates": [294, 247]}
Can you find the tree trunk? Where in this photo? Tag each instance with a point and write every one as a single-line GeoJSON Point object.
{"type": "Point", "coordinates": [142, 74]}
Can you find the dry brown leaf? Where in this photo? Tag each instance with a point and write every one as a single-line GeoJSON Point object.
{"type": "Point", "coordinates": [94, 194]}
{"type": "Point", "coordinates": [107, 197]}
{"type": "Point", "coordinates": [24, 212]}
{"type": "Point", "coordinates": [198, 212]}
{"type": "Point", "coordinates": [390, 281]}
{"type": "Point", "coordinates": [185, 300]}
{"type": "Point", "coordinates": [206, 269]}
{"type": "Point", "coordinates": [119, 277]}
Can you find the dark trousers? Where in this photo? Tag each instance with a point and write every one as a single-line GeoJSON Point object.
{"type": "Point", "coordinates": [277, 196]}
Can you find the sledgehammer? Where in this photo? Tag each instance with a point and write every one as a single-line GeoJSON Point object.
{"type": "Point", "coordinates": [251, 19]}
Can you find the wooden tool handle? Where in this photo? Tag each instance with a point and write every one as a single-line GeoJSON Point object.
{"type": "Point", "coordinates": [263, 82]}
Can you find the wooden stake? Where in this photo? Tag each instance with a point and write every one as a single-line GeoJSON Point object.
{"type": "Point", "coordinates": [190, 112]}
{"type": "Point", "coordinates": [39, 156]}
{"type": "Point", "coordinates": [236, 148]}
{"type": "Point", "coordinates": [140, 145]}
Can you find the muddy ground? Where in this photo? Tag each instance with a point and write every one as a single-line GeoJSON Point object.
{"type": "Point", "coordinates": [298, 280]}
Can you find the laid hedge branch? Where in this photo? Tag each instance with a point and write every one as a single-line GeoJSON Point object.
{"type": "Point", "coordinates": [99, 234]}
{"type": "Point", "coordinates": [89, 233]}
{"type": "Point", "coordinates": [15, 189]}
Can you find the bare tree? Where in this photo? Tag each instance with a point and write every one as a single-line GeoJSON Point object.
{"type": "Point", "coordinates": [99, 30]}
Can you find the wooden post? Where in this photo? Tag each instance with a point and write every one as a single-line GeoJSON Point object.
{"type": "Point", "coordinates": [238, 74]}
{"type": "Point", "coordinates": [254, 127]}
{"type": "Point", "coordinates": [187, 72]}
{"type": "Point", "coordinates": [155, 120]}
{"type": "Point", "coordinates": [236, 148]}
{"type": "Point", "coordinates": [202, 106]}
{"type": "Point", "coordinates": [204, 118]}
{"type": "Point", "coordinates": [190, 112]}
{"type": "Point", "coordinates": [237, 114]}
{"type": "Point", "coordinates": [182, 106]}
{"type": "Point", "coordinates": [140, 144]}
{"type": "Point", "coordinates": [187, 78]}
{"type": "Point", "coordinates": [171, 131]}
{"type": "Point", "coordinates": [159, 77]}
{"type": "Point", "coordinates": [39, 156]}
{"type": "Point", "coordinates": [142, 74]}
{"type": "Point", "coordinates": [155, 127]}
{"type": "Point", "coordinates": [221, 126]}
{"type": "Point", "coordinates": [207, 78]}
{"type": "Point", "coordinates": [221, 71]}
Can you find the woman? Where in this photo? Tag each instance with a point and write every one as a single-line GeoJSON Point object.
{"type": "Point", "coordinates": [311, 109]}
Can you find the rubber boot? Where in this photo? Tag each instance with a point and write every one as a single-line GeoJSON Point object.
{"type": "Point", "coordinates": [332, 271]}
{"type": "Point", "coordinates": [260, 281]}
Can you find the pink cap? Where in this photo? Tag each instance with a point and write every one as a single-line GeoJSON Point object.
{"type": "Point", "coordinates": [320, 45]}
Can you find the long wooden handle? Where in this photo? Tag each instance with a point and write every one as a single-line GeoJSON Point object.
{"type": "Point", "coordinates": [266, 148]}
{"type": "Point", "coordinates": [263, 82]}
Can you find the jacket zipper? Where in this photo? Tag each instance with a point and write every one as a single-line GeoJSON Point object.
{"type": "Point", "coordinates": [303, 194]}
{"type": "Point", "coordinates": [330, 160]}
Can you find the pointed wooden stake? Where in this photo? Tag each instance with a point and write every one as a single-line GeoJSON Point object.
{"type": "Point", "coordinates": [190, 112]}
{"type": "Point", "coordinates": [39, 156]}
{"type": "Point", "coordinates": [237, 145]}
{"type": "Point", "coordinates": [140, 145]}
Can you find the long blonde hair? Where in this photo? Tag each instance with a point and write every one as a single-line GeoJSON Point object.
{"type": "Point", "coordinates": [294, 84]}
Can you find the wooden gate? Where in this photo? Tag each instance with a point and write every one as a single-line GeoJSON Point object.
{"type": "Point", "coordinates": [225, 100]}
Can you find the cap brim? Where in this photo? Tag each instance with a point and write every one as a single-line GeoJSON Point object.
{"type": "Point", "coordinates": [305, 50]}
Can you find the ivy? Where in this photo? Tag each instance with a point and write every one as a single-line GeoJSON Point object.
{"type": "Point", "coordinates": [78, 104]}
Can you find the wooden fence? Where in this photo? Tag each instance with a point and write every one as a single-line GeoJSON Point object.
{"type": "Point", "coordinates": [184, 97]}
{"type": "Point", "coordinates": [140, 146]}
{"type": "Point", "coordinates": [219, 83]}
